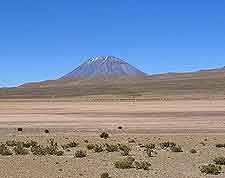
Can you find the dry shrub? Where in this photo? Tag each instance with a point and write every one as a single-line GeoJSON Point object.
{"type": "Point", "coordinates": [125, 149]}
{"type": "Point", "coordinates": [98, 148]}
{"type": "Point", "coordinates": [142, 165]}
{"type": "Point", "coordinates": [80, 154]}
{"type": "Point", "coordinates": [219, 160]}
{"type": "Point", "coordinates": [111, 148]}
{"type": "Point", "coordinates": [4, 151]}
{"type": "Point", "coordinates": [20, 150]}
{"type": "Point", "coordinates": [104, 135]}
{"type": "Point", "coordinates": [124, 163]}
{"type": "Point", "coordinates": [211, 169]}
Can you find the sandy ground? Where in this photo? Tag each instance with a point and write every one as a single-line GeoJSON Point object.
{"type": "Point", "coordinates": [188, 123]}
{"type": "Point", "coordinates": [204, 116]}
{"type": "Point", "coordinates": [165, 164]}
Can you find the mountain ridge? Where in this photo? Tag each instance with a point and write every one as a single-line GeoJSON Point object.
{"type": "Point", "coordinates": [107, 66]}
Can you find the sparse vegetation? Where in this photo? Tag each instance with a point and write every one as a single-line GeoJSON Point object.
{"type": "Point", "coordinates": [80, 154]}
{"type": "Point", "coordinates": [211, 169]}
{"type": "Point", "coordinates": [124, 163]}
{"type": "Point", "coordinates": [219, 160]}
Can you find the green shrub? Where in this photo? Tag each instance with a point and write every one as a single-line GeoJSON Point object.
{"type": "Point", "coordinates": [211, 169]}
{"type": "Point", "coordinates": [111, 148]}
{"type": "Point", "coordinates": [176, 149]}
{"type": "Point", "coordinates": [104, 135]}
{"type": "Point", "coordinates": [124, 163]}
{"type": "Point", "coordinates": [80, 154]}
{"type": "Point", "coordinates": [219, 160]}
{"type": "Point", "coordinates": [4, 151]}
{"type": "Point", "coordinates": [98, 148]}
{"type": "Point", "coordinates": [142, 165]}
{"type": "Point", "coordinates": [20, 150]}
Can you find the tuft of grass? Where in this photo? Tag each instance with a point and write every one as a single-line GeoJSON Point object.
{"type": "Point", "coordinates": [124, 163]}
{"type": "Point", "coordinates": [20, 150]}
{"type": "Point", "coordinates": [104, 135]}
{"type": "Point", "coordinates": [142, 165]}
{"type": "Point", "coordinates": [39, 150]}
{"type": "Point", "coordinates": [4, 151]}
{"type": "Point", "coordinates": [219, 160]}
{"type": "Point", "coordinates": [125, 149]}
{"type": "Point", "coordinates": [176, 149]}
{"type": "Point", "coordinates": [80, 154]}
{"type": "Point", "coordinates": [211, 169]}
{"type": "Point", "coordinates": [111, 148]}
{"type": "Point", "coordinates": [72, 144]}
{"type": "Point", "coordinates": [98, 148]}
{"type": "Point", "coordinates": [11, 143]}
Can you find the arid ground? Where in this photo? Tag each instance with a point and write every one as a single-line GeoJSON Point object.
{"type": "Point", "coordinates": [192, 124]}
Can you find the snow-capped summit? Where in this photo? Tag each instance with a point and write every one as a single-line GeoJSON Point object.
{"type": "Point", "coordinates": [104, 66]}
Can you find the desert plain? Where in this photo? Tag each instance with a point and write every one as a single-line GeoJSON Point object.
{"type": "Point", "coordinates": [192, 124]}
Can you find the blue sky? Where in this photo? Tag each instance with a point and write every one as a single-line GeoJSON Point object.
{"type": "Point", "coordinates": [44, 39]}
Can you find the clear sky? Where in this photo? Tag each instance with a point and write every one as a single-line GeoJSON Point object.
{"type": "Point", "coordinates": [45, 39]}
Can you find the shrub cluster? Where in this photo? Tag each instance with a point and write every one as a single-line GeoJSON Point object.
{"type": "Point", "coordinates": [211, 169]}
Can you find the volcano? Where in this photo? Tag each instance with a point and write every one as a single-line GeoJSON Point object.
{"type": "Point", "coordinates": [104, 66]}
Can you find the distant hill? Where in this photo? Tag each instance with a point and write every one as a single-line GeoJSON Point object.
{"type": "Point", "coordinates": [104, 66]}
{"type": "Point", "coordinates": [110, 77]}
